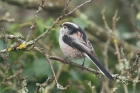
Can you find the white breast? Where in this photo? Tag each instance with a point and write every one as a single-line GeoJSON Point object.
{"type": "Point", "coordinates": [69, 51]}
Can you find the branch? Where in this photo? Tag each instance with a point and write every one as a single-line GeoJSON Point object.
{"type": "Point", "coordinates": [96, 72]}
{"type": "Point", "coordinates": [112, 31]}
{"type": "Point", "coordinates": [6, 18]}
{"type": "Point", "coordinates": [40, 87]}
{"type": "Point", "coordinates": [40, 9]}
{"type": "Point", "coordinates": [59, 87]}
{"type": "Point", "coordinates": [59, 18]}
{"type": "Point", "coordinates": [122, 79]}
{"type": "Point", "coordinates": [33, 5]}
{"type": "Point", "coordinates": [6, 79]}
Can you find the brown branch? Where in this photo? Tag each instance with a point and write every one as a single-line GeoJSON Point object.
{"type": "Point", "coordinates": [135, 66]}
{"type": "Point", "coordinates": [42, 86]}
{"type": "Point", "coordinates": [59, 18]}
{"type": "Point", "coordinates": [105, 52]}
{"type": "Point", "coordinates": [128, 10]}
{"type": "Point", "coordinates": [92, 87]}
{"type": "Point", "coordinates": [136, 80]}
{"type": "Point", "coordinates": [112, 31]}
{"type": "Point", "coordinates": [122, 79]}
{"type": "Point", "coordinates": [47, 57]}
{"type": "Point", "coordinates": [13, 37]}
{"type": "Point", "coordinates": [6, 18]}
{"type": "Point", "coordinates": [25, 44]}
{"type": "Point", "coordinates": [6, 78]}
{"type": "Point", "coordinates": [5, 44]}
{"type": "Point", "coordinates": [96, 72]}
{"type": "Point", "coordinates": [65, 8]}
{"type": "Point", "coordinates": [40, 9]}
{"type": "Point", "coordinates": [115, 41]}
{"type": "Point", "coordinates": [33, 5]}
{"type": "Point", "coordinates": [59, 87]}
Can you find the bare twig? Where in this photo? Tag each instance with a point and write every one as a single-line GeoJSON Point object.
{"type": "Point", "coordinates": [25, 44]}
{"type": "Point", "coordinates": [91, 87]}
{"type": "Point", "coordinates": [22, 83]}
{"type": "Point", "coordinates": [114, 21]}
{"type": "Point", "coordinates": [47, 57]}
{"type": "Point", "coordinates": [112, 31]}
{"type": "Point", "coordinates": [135, 65]}
{"type": "Point", "coordinates": [40, 8]}
{"type": "Point", "coordinates": [136, 80]}
{"type": "Point", "coordinates": [6, 79]}
{"type": "Point", "coordinates": [105, 53]}
{"type": "Point", "coordinates": [5, 44]}
{"type": "Point", "coordinates": [6, 18]}
{"type": "Point", "coordinates": [122, 79]}
{"type": "Point", "coordinates": [77, 7]}
{"type": "Point", "coordinates": [17, 38]}
{"type": "Point", "coordinates": [33, 5]}
{"type": "Point", "coordinates": [60, 17]}
{"type": "Point", "coordinates": [65, 8]}
{"type": "Point", "coordinates": [59, 87]}
{"type": "Point", "coordinates": [104, 19]}
{"type": "Point", "coordinates": [125, 88]}
{"type": "Point", "coordinates": [5, 57]}
{"type": "Point", "coordinates": [41, 87]}
{"type": "Point", "coordinates": [51, 86]}
{"type": "Point", "coordinates": [96, 72]}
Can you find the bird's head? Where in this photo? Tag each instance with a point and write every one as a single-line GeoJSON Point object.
{"type": "Point", "coordinates": [68, 28]}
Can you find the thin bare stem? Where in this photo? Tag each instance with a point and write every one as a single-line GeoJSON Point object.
{"type": "Point", "coordinates": [112, 31]}
{"type": "Point", "coordinates": [125, 88]}
{"type": "Point", "coordinates": [65, 8]}
{"type": "Point", "coordinates": [40, 8]}
{"type": "Point", "coordinates": [46, 56]}
{"type": "Point", "coordinates": [60, 17]}
{"type": "Point", "coordinates": [39, 86]}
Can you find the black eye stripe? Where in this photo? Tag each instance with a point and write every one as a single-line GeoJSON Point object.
{"type": "Point", "coordinates": [71, 27]}
{"type": "Point", "coordinates": [74, 29]}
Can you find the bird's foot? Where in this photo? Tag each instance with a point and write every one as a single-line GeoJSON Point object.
{"type": "Point", "coordinates": [83, 64]}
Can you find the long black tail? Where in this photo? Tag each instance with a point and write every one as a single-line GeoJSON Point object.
{"type": "Point", "coordinates": [99, 66]}
{"type": "Point", "coordinates": [81, 47]}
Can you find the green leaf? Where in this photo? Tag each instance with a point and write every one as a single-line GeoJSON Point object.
{"type": "Point", "coordinates": [5, 89]}
{"type": "Point", "coordinates": [90, 77]}
{"type": "Point", "coordinates": [40, 25]}
{"type": "Point", "coordinates": [14, 27]}
{"type": "Point", "coordinates": [1, 45]}
{"type": "Point", "coordinates": [53, 37]}
{"type": "Point", "coordinates": [138, 24]}
{"type": "Point", "coordinates": [75, 76]}
{"type": "Point", "coordinates": [41, 68]}
{"type": "Point", "coordinates": [28, 72]}
{"type": "Point", "coordinates": [80, 22]}
{"type": "Point", "coordinates": [49, 22]}
{"type": "Point", "coordinates": [73, 89]}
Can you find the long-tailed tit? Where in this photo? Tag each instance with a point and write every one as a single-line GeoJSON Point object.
{"type": "Point", "coordinates": [74, 44]}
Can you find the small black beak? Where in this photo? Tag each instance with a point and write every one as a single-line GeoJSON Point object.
{"type": "Point", "coordinates": [61, 25]}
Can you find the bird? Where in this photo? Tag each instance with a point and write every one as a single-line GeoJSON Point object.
{"type": "Point", "coordinates": [74, 44]}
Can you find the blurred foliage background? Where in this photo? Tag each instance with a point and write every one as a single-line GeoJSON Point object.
{"type": "Point", "coordinates": [35, 66]}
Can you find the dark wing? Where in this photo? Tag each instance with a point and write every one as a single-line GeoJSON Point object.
{"type": "Point", "coordinates": [89, 45]}
{"type": "Point", "coordinates": [81, 47]}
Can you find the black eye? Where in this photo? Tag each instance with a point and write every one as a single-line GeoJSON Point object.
{"type": "Point", "coordinates": [65, 27]}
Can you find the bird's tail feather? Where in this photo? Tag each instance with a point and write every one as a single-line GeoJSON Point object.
{"type": "Point", "coordinates": [99, 66]}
